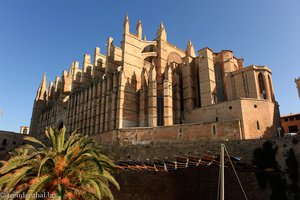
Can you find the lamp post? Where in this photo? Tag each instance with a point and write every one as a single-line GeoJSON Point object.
{"type": "Point", "coordinates": [279, 131]}
{"type": "Point", "coordinates": [222, 172]}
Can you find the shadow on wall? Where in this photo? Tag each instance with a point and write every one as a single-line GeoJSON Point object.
{"type": "Point", "coordinates": [272, 131]}
{"type": "Point", "coordinates": [131, 103]}
{"type": "Point", "coordinates": [293, 174]}
{"type": "Point", "coordinates": [270, 175]}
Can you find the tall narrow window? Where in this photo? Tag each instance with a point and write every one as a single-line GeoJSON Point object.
{"type": "Point", "coordinates": [198, 91]}
{"type": "Point", "coordinates": [271, 88]}
{"type": "Point", "coordinates": [214, 129]}
{"type": "Point", "coordinates": [219, 82]}
{"type": "Point", "coordinates": [181, 92]}
{"type": "Point", "coordinates": [262, 88]}
{"type": "Point", "coordinates": [257, 125]}
{"type": "Point", "coordinates": [160, 110]}
{"type": "Point", "coordinates": [181, 98]}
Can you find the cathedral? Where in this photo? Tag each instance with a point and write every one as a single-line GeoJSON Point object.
{"type": "Point", "coordinates": [152, 91]}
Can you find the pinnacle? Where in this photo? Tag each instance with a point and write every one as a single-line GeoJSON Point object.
{"type": "Point", "coordinates": [190, 42]}
{"type": "Point", "coordinates": [161, 26]}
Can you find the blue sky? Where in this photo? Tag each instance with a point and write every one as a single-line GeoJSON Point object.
{"type": "Point", "coordinates": [46, 36]}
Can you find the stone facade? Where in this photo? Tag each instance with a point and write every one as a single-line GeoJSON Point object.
{"type": "Point", "coordinates": [10, 140]}
{"type": "Point", "coordinates": [297, 81]}
{"type": "Point", "coordinates": [149, 86]}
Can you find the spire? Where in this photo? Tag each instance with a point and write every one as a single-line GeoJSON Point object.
{"type": "Point", "coordinates": [190, 42]}
{"type": "Point", "coordinates": [72, 70]}
{"type": "Point", "coordinates": [44, 81]}
{"type": "Point", "coordinates": [161, 25]}
{"type": "Point", "coordinates": [145, 38]}
{"type": "Point", "coordinates": [161, 32]}
{"type": "Point", "coordinates": [139, 29]}
{"type": "Point", "coordinates": [56, 83]}
{"type": "Point", "coordinates": [126, 24]}
{"type": "Point", "coordinates": [50, 90]}
{"type": "Point", "coordinates": [42, 90]}
{"type": "Point", "coordinates": [190, 51]}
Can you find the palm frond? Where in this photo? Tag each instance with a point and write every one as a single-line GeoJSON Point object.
{"type": "Point", "coordinates": [111, 179]}
{"type": "Point", "coordinates": [60, 139]}
{"type": "Point", "coordinates": [73, 166]}
{"type": "Point", "coordinates": [13, 163]}
{"type": "Point", "coordinates": [38, 185]}
{"type": "Point", "coordinates": [16, 178]}
{"type": "Point", "coordinates": [45, 159]}
{"type": "Point", "coordinates": [34, 140]}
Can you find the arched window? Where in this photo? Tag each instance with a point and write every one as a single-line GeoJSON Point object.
{"type": "Point", "coordinates": [219, 83]}
{"type": "Point", "coordinates": [61, 125]}
{"type": "Point", "coordinates": [262, 88]}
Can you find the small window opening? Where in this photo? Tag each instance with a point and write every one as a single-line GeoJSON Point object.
{"type": "Point", "coordinates": [214, 130]}
{"type": "Point", "coordinates": [4, 142]}
{"type": "Point", "coordinates": [257, 125]}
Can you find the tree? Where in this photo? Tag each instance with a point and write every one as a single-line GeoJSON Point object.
{"type": "Point", "coordinates": [67, 169]}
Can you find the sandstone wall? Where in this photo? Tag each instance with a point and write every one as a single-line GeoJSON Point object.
{"type": "Point", "coordinates": [280, 154]}
{"type": "Point", "coordinates": [260, 118]}
{"type": "Point", "coordinates": [226, 130]}
{"type": "Point", "coordinates": [8, 142]}
{"type": "Point", "coordinates": [188, 184]}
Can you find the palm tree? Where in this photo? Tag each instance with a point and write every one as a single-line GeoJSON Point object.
{"type": "Point", "coordinates": [72, 169]}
